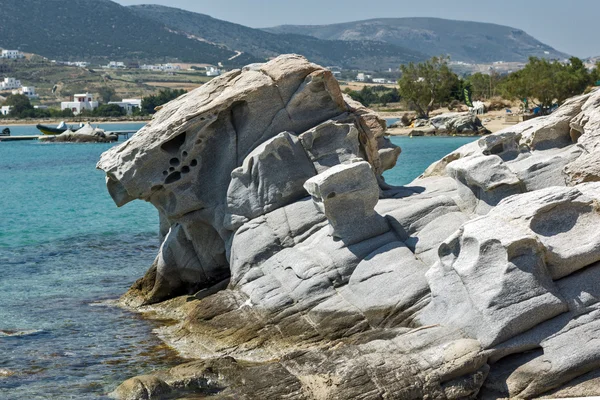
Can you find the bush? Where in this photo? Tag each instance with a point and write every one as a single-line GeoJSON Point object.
{"type": "Point", "coordinates": [150, 103]}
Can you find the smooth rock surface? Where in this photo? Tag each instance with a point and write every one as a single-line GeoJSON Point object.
{"type": "Point", "coordinates": [294, 271]}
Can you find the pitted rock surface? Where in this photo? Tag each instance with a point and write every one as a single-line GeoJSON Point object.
{"type": "Point", "coordinates": [295, 271]}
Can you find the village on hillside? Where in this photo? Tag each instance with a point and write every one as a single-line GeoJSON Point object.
{"type": "Point", "coordinates": [57, 89]}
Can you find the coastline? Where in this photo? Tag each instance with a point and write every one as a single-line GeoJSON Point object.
{"type": "Point", "coordinates": [15, 122]}
{"type": "Point", "coordinates": [493, 121]}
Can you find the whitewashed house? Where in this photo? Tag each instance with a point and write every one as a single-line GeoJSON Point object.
{"type": "Point", "coordinates": [115, 65]}
{"type": "Point", "coordinates": [28, 91]}
{"type": "Point", "coordinates": [129, 105]}
{"type": "Point", "coordinates": [83, 101]}
{"type": "Point", "coordinates": [212, 71]}
{"type": "Point", "coordinates": [10, 83]}
{"type": "Point", "coordinates": [5, 110]}
{"type": "Point", "coordinates": [362, 77]}
{"type": "Point", "coordinates": [133, 102]}
{"type": "Point", "coordinates": [11, 54]}
{"type": "Point", "coordinates": [161, 67]}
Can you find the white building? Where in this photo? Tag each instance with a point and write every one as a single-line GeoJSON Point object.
{"type": "Point", "coordinates": [5, 110]}
{"type": "Point", "coordinates": [380, 80]}
{"type": "Point", "coordinates": [28, 91]}
{"type": "Point", "coordinates": [170, 67]}
{"type": "Point", "coordinates": [115, 65]}
{"type": "Point", "coordinates": [212, 71]}
{"type": "Point", "coordinates": [128, 104]}
{"type": "Point", "coordinates": [362, 77]}
{"type": "Point", "coordinates": [80, 64]}
{"type": "Point", "coordinates": [10, 83]}
{"type": "Point", "coordinates": [12, 54]}
{"type": "Point", "coordinates": [83, 101]}
{"type": "Point", "coordinates": [161, 67]}
{"type": "Point", "coordinates": [133, 102]}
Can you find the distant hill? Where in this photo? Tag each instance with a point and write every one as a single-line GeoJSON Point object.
{"type": "Point", "coordinates": [357, 53]}
{"type": "Point", "coordinates": [473, 42]}
{"type": "Point", "coordinates": [94, 29]}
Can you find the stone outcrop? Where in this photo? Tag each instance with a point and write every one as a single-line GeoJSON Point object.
{"type": "Point", "coordinates": [295, 271]}
{"type": "Point", "coordinates": [86, 134]}
{"type": "Point", "coordinates": [448, 124]}
{"type": "Point", "coordinates": [458, 123]}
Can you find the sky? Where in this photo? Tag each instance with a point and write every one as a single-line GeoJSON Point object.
{"type": "Point", "coordinates": [567, 25]}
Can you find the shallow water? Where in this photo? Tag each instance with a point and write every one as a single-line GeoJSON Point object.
{"type": "Point", "coordinates": [65, 249]}
{"type": "Point", "coordinates": [66, 252]}
{"type": "Point", "coordinates": [418, 153]}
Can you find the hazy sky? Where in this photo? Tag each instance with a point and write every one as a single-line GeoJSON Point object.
{"type": "Point", "coordinates": [567, 25]}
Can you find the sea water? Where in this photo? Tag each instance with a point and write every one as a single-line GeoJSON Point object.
{"type": "Point", "coordinates": [66, 253]}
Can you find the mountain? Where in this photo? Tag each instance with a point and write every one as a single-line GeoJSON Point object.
{"type": "Point", "coordinates": [473, 42]}
{"type": "Point", "coordinates": [94, 30]}
{"type": "Point", "coordinates": [100, 29]}
{"type": "Point", "coordinates": [356, 53]}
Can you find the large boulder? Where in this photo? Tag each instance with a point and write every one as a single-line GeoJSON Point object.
{"type": "Point", "coordinates": [464, 123]}
{"type": "Point", "coordinates": [294, 271]}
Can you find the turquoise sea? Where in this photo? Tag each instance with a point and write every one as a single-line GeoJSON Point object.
{"type": "Point", "coordinates": [66, 253]}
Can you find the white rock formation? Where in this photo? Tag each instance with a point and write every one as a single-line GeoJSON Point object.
{"type": "Point", "coordinates": [310, 277]}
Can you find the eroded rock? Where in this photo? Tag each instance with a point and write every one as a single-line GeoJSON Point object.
{"type": "Point", "coordinates": [307, 276]}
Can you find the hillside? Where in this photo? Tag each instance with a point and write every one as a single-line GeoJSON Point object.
{"type": "Point", "coordinates": [473, 42]}
{"type": "Point", "coordinates": [356, 53]}
{"type": "Point", "coordinates": [100, 29]}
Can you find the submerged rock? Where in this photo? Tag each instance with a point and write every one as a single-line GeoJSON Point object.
{"type": "Point", "coordinates": [295, 271]}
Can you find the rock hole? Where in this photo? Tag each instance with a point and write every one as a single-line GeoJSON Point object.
{"type": "Point", "coordinates": [331, 195]}
{"type": "Point", "coordinates": [156, 188]}
{"type": "Point", "coordinates": [171, 169]}
{"type": "Point", "coordinates": [194, 163]}
{"type": "Point", "coordinates": [173, 145]}
{"type": "Point", "coordinates": [185, 170]}
{"type": "Point", "coordinates": [174, 177]}
{"type": "Point", "coordinates": [184, 154]}
{"type": "Point", "coordinates": [174, 161]}
{"type": "Point", "coordinates": [165, 173]}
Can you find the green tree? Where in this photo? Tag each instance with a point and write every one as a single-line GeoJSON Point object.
{"type": "Point", "coordinates": [20, 104]}
{"type": "Point", "coordinates": [425, 84]}
{"type": "Point", "coordinates": [391, 96]}
{"type": "Point", "coordinates": [544, 83]}
{"type": "Point", "coordinates": [150, 103]}
{"type": "Point", "coordinates": [109, 110]}
{"type": "Point", "coordinates": [107, 93]}
{"type": "Point", "coordinates": [484, 86]}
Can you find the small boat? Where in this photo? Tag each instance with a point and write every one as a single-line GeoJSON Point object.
{"type": "Point", "coordinates": [62, 127]}
{"type": "Point", "coordinates": [5, 132]}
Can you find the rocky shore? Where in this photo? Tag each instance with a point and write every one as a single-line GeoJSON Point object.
{"type": "Point", "coordinates": [446, 124]}
{"type": "Point", "coordinates": [294, 271]}
{"type": "Point", "coordinates": [86, 134]}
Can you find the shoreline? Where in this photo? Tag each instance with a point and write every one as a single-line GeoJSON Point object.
{"type": "Point", "coordinates": [13, 122]}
